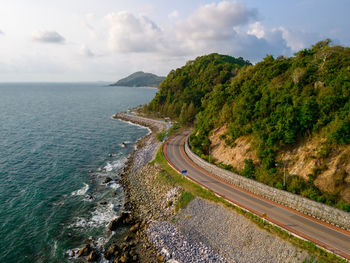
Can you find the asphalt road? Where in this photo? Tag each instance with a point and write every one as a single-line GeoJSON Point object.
{"type": "Point", "coordinates": [321, 233]}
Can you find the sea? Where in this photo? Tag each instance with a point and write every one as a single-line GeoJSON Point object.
{"type": "Point", "coordinates": [58, 144]}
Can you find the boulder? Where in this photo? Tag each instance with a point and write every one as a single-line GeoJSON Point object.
{"type": "Point", "coordinates": [115, 223]}
{"type": "Point", "coordinates": [107, 180]}
{"type": "Point", "coordinates": [124, 218]}
{"type": "Point", "coordinates": [128, 218]}
{"type": "Point", "coordinates": [71, 253]}
{"type": "Point", "coordinates": [93, 256]}
{"type": "Point", "coordinates": [134, 228]}
{"type": "Point", "coordinates": [124, 258]}
{"type": "Point", "coordinates": [127, 238]}
{"type": "Point", "coordinates": [84, 251]}
{"type": "Point", "coordinates": [111, 251]}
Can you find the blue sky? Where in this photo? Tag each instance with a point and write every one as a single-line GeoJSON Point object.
{"type": "Point", "coordinates": [91, 40]}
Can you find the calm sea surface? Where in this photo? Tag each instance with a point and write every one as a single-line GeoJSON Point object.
{"type": "Point", "coordinates": [51, 137]}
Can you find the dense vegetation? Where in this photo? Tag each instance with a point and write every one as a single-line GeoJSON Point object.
{"type": "Point", "coordinates": [180, 94]}
{"type": "Point", "coordinates": [276, 102]}
{"type": "Point", "coordinates": [140, 79]}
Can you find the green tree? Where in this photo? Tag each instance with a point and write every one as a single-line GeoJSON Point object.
{"type": "Point", "coordinates": [184, 114]}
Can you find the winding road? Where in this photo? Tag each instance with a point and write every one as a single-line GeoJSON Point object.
{"type": "Point", "coordinates": [323, 234]}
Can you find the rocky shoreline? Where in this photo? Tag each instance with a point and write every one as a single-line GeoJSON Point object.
{"type": "Point", "coordinates": [150, 230]}
{"type": "Point", "coordinates": [129, 243]}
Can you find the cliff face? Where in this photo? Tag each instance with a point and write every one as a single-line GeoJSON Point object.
{"type": "Point", "coordinates": [233, 154]}
{"type": "Point", "coordinates": [330, 167]}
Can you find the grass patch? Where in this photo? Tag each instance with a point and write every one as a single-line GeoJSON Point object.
{"type": "Point", "coordinates": [171, 177]}
{"type": "Point", "coordinates": [184, 199]}
{"type": "Point", "coordinates": [191, 190]}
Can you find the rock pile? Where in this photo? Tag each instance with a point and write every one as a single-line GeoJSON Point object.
{"type": "Point", "coordinates": [149, 198]}
{"type": "Point", "coordinates": [177, 247]}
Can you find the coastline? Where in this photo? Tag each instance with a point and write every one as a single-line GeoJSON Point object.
{"type": "Point", "coordinates": [141, 87]}
{"type": "Point", "coordinates": [196, 233]}
{"type": "Point", "coordinates": [128, 241]}
{"type": "Point", "coordinates": [145, 151]}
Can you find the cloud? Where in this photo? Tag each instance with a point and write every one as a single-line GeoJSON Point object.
{"type": "Point", "coordinates": [174, 14]}
{"type": "Point", "coordinates": [257, 29]}
{"type": "Point", "coordinates": [88, 21]}
{"type": "Point", "coordinates": [298, 40]}
{"type": "Point", "coordinates": [222, 28]}
{"type": "Point", "coordinates": [1, 32]}
{"type": "Point", "coordinates": [295, 40]}
{"type": "Point", "coordinates": [90, 17]}
{"type": "Point", "coordinates": [227, 27]}
{"type": "Point", "coordinates": [215, 21]}
{"type": "Point", "coordinates": [48, 37]}
{"type": "Point", "coordinates": [86, 52]}
{"type": "Point", "coordinates": [91, 29]}
{"type": "Point", "coordinates": [128, 33]}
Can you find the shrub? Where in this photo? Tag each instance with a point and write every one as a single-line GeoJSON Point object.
{"type": "Point", "coordinates": [249, 168]}
{"type": "Point", "coordinates": [161, 135]}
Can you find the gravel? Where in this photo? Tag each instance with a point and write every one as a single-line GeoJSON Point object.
{"type": "Point", "coordinates": [202, 232]}
{"type": "Point", "coordinates": [234, 236]}
{"type": "Point", "coordinates": [149, 144]}
{"type": "Point", "coordinates": [145, 154]}
{"type": "Point", "coordinates": [175, 246]}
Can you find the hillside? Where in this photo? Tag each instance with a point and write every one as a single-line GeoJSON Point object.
{"type": "Point", "coordinates": [281, 115]}
{"type": "Point", "coordinates": [182, 91]}
{"type": "Point", "coordinates": [140, 79]}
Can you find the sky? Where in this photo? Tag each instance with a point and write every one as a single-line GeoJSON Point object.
{"type": "Point", "coordinates": [105, 40]}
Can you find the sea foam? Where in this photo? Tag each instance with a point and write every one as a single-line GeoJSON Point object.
{"type": "Point", "coordinates": [81, 191]}
{"type": "Point", "coordinates": [115, 165]}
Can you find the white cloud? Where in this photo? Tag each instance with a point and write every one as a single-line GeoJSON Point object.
{"type": "Point", "coordinates": [1, 32]}
{"type": "Point", "coordinates": [295, 40]}
{"type": "Point", "coordinates": [227, 27]}
{"type": "Point", "coordinates": [298, 40]}
{"type": "Point", "coordinates": [218, 27]}
{"type": "Point", "coordinates": [48, 37]}
{"type": "Point", "coordinates": [215, 21]}
{"type": "Point", "coordinates": [214, 28]}
{"type": "Point", "coordinates": [174, 14]}
{"type": "Point", "coordinates": [222, 28]}
{"type": "Point", "coordinates": [91, 29]}
{"type": "Point", "coordinates": [89, 19]}
{"type": "Point", "coordinates": [257, 30]}
{"type": "Point", "coordinates": [86, 52]}
{"type": "Point", "coordinates": [128, 33]}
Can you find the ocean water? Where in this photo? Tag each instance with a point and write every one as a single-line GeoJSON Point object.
{"type": "Point", "coordinates": [58, 143]}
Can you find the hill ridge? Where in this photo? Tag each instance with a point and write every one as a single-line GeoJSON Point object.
{"type": "Point", "coordinates": [140, 79]}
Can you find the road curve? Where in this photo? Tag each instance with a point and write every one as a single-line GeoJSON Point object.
{"type": "Point", "coordinates": [323, 234]}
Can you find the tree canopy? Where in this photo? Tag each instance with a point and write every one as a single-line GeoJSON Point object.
{"type": "Point", "coordinates": [275, 102]}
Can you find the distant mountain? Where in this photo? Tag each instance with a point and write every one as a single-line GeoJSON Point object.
{"type": "Point", "coordinates": [140, 79]}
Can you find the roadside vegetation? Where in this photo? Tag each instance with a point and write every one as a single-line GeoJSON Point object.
{"type": "Point", "coordinates": [191, 190]}
{"type": "Point", "coordinates": [276, 102]}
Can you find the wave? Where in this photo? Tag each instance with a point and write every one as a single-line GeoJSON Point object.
{"type": "Point", "coordinates": [102, 216]}
{"type": "Point", "coordinates": [115, 165]}
{"type": "Point", "coordinates": [135, 124]}
{"type": "Point", "coordinates": [81, 191]}
{"type": "Point", "coordinates": [113, 184]}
